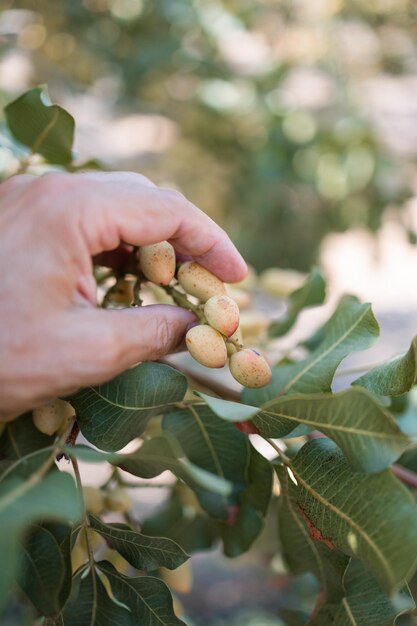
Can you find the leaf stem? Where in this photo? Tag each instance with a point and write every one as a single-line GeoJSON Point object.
{"type": "Point", "coordinates": [358, 369]}
{"type": "Point", "coordinates": [85, 526]}
{"type": "Point", "coordinates": [277, 449]}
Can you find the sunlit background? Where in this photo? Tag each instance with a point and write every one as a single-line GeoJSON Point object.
{"type": "Point", "coordinates": [292, 123]}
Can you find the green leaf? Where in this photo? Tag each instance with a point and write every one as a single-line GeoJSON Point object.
{"type": "Point", "coordinates": [312, 293]}
{"type": "Point", "coordinates": [362, 428]}
{"type": "Point", "coordinates": [27, 500]}
{"type": "Point", "coordinates": [163, 452]}
{"type": "Point", "coordinates": [183, 523]}
{"type": "Point", "coordinates": [42, 571]}
{"type": "Point", "coordinates": [366, 603]}
{"type": "Point", "coordinates": [228, 410]}
{"type": "Point", "coordinates": [355, 512]}
{"type": "Point", "coordinates": [20, 437]}
{"type": "Point", "coordinates": [45, 128]}
{"type": "Point", "coordinates": [293, 618]}
{"type": "Point", "coordinates": [90, 455]}
{"type": "Point", "coordinates": [352, 327]}
{"type": "Point", "coordinates": [144, 553]}
{"type": "Point", "coordinates": [90, 605]}
{"type": "Point", "coordinates": [395, 377]}
{"type": "Point", "coordinates": [148, 598]}
{"type": "Point", "coordinates": [302, 548]}
{"type": "Point", "coordinates": [112, 414]}
{"type": "Point", "coordinates": [16, 613]}
{"type": "Point", "coordinates": [253, 504]}
{"type": "Point", "coordinates": [215, 446]}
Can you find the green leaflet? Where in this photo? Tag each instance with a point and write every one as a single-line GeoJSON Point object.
{"type": "Point", "coordinates": [148, 598]}
{"type": "Point", "coordinates": [45, 128]}
{"type": "Point", "coordinates": [355, 511]}
{"type": "Point", "coordinates": [42, 571]}
{"type": "Point", "coordinates": [112, 414]}
{"type": "Point", "coordinates": [163, 452]}
{"type": "Point", "coordinates": [252, 507]}
{"type": "Point", "coordinates": [365, 603]}
{"type": "Point", "coordinates": [395, 377]}
{"type": "Point", "coordinates": [21, 437]}
{"type": "Point", "coordinates": [26, 500]}
{"type": "Point", "coordinates": [352, 327]}
{"type": "Point", "coordinates": [312, 293]}
{"type": "Point", "coordinates": [144, 553]}
{"type": "Point", "coordinates": [190, 528]}
{"type": "Point", "coordinates": [215, 446]}
{"type": "Point", "coordinates": [90, 605]}
{"type": "Point", "coordinates": [362, 428]}
{"type": "Point", "coordinates": [228, 410]}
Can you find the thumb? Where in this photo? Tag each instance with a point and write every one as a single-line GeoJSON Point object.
{"type": "Point", "coordinates": [111, 341]}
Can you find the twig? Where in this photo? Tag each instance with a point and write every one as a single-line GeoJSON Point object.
{"type": "Point", "coordinates": [182, 300]}
{"type": "Point", "coordinates": [405, 475]}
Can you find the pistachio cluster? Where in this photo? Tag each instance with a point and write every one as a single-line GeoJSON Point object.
{"type": "Point", "coordinates": [218, 337]}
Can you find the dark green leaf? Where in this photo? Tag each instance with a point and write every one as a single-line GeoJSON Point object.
{"type": "Point", "coordinates": [363, 429]}
{"type": "Point", "coordinates": [215, 446]}
{"type": "Point", "coordinates": [394, 377]}
{"type": "Point", "coordinates": [163, 452]}
{"type": "Point", "coordinates": [65, 536]}
{"type": "Point", "coordinates": [20, 437]}
{"type": "Point", "coordinates": [148, 598]}
{"type": "Point", "coordinates": [112, 414]}
{"type": "Point", "coordinates": [228, 410]}
{"type": "Point", "coordinates": [293, 618]}
{"type": "Point", "coordinates": [43, 127]}
{"type": "Point", "coordinates": [312, 293]}
{"type": "Point", "coordinates": [144, 553]}
{"type": "Point", "coordinates": [352, 327]}
{"type": "Point", "coordinates": [15, 613]}
{"type": "Point", "coordinates": [26, 500]}
{"type": "Point", "coordinates": [253, 504]}
{"type": "Point", "coordinates": [183, 523]}
{"type": "Point", "coordinates": [366, 603]}
{"type": "Point", "coordinates": [354, 511]}
{"type": "Point", "coordinates": [42, 571]}
{"type": "Point", "coordinates": [89, 604]}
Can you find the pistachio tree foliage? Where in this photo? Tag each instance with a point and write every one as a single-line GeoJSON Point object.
{"type": "Point", "coordinates": [343, 470]}
{"type": "Point", "coordinates": [296, 98]}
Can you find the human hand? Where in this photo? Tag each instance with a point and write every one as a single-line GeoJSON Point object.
{"type": "Point", "coordinates": [53, 337]}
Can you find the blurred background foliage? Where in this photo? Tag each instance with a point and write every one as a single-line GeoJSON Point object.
{"type": "Point", "coordinates": [283, 119]}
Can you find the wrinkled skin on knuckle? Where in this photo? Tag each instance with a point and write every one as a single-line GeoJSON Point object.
{"type": "Point", "coordinates": [164, 335]}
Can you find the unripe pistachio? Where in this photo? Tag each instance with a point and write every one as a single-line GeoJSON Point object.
{"type": "Point", "coordinates": [206, 345]}
{"type": "Point", "coordinates": [280, 283]}
{"type": "Point", "coordinates": [180, 579]}
{"type": "Point", "coordinates": [242, 298]}
{"type": "Point", "coordinates": [157, 261]}
{"type": "Point", "coordinates": [118, 500]}
{"type": "Point", "coordinates": [253, 324]}
{"type": "Point", "coordinates": [93, 500]}
{"type": "Point", "coordinates": [222, 313]}
{"type": "Point", "coordinates": [249, 368]}
{"type": "Point", "coordinates": [50, 417]}
{"type": "Point", "coordinates": [249, 282]}
{"type": "Point", "coordinates": [199, 282]}
{"type": "Point", "coordinates": [231, 344]}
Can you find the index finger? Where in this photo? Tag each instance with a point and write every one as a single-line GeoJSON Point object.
{"type": "Point", "coordinates": [125, 207]}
